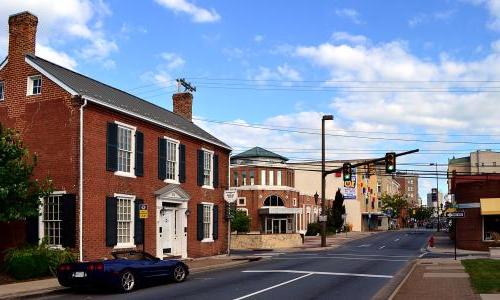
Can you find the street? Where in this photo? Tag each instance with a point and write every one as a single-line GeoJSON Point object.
{"type": "Point", "coordinates": [356, 270]}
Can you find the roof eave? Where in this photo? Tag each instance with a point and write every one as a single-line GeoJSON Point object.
{"type": "Point", "coordinates": [4, 62]}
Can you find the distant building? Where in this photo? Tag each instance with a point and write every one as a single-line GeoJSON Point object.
{"type": "Point", "coordinates": [409, 188]}
{"type": "Point", "coordinates": [430, 203]}
{"type": "Point", "coordinates": [478, 162]}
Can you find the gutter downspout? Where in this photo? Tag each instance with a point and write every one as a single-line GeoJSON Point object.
{"type": "Point", "coordinates": [80, 196]}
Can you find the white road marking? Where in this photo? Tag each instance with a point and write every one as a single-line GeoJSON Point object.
{"type": "Point", "coordinates": [422, 255]}
{"type": "Point", "coordinates": [339, 257]}
{"type": "Point", "coordinates": [375, 255]}
{"type": "Point", "coordinates": [319, 273]}
{"type": "Point", "coordinates": [268, 253]}
{"type": "Point", "coordinates": [381, 247]}
{"type": "Point", "coordinates": [273, 287]}
{"type": "Point", "coordinates": [397, 239]}
{"type": "Point", "coordinates": [364, 246]}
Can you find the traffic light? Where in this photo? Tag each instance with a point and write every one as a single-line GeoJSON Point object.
{"type": "Point", "coordinates": [390, 162]}
{"type": "Point", "coordinates": [347, 171]}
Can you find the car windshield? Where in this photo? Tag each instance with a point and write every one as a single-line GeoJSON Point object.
{"type": "Point", "coordinates": [133, 255]}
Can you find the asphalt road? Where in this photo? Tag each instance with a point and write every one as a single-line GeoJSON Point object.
{"type": "Point", "coordinates": [356, 270]}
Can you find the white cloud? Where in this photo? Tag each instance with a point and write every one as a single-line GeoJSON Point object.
{"type": "Point", "coordinates": [173, 60]}
{"type": "Point", "coordinates": [198, 14]}
{"type": "Point", "coordinates": [258, 38]}
{"type": "Point", "coordinates": [353, 39]}
{"type": "Point", "coordinates": [391, 66]}
{"type": "Point", "coordinates": [60, 58]}
{"type": "Point", "coordinates": [350, 14]}
{"type": "Point", "coordinates": [283, 73]}
{"type": "Point", "coordinates": [493, 7]}
{"type": "Point", "coordinates": [70, 21]}
{"type": "Point", "coordinates": [426, 18]}
{"type": "Point", "coordinates": [162, 75]}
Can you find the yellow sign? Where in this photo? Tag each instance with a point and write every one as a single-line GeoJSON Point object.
{"type": "Point", "coordinates": [143, 214]}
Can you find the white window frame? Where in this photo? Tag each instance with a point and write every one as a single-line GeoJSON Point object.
{"type": "Point", "coordinates": [243, 178]}
{"type": "Point", "coordinates": [235, 178]}
{"type": "Point", "coordinates": [176, 175]}
{"type": "Point", "coordinates": [244, 201]}
{"type": "Point", "coordinates": [41, 221]}
{"type": "Point", "coordinates": [210, 238]}
{"type": "Point", "coordinates": [31, 81]}
{"type": "Point", "coordinates": [243, 209]}
{"type": "Point", "coordinates": [2, 88]}
{"type": "Point", "coordinates": [263, 177]}
{"type": "Point", "coordinates": [131, 243]}
{"type": "Point", "coordinates": [278, 177]}
{"type": "Point", "coordinates": [251, 177]}
{"type": "Point", "coordinates": [133, 129]}
{"type": "Point", "coordinates": [211, 179]}
{"type": "Point", "coordinates": [271, 177]}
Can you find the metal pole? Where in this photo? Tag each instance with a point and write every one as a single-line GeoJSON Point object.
{"type": "Point", "coordinates": [323, 205]}
{"type": "Point", "coordinates": [455, 221]}
{"type": "Point", "coordinates": [229, 237]}
{"type": "Point", "coordinates": [437, 197]}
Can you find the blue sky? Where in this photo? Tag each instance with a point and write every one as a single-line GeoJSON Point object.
{"type": "Point", "coordinates": [413, 70]}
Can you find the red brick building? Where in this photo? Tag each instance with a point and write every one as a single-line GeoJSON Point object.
{"type": "Point", "coordinates": [266, 191]}
{"type": "Point", "coordinates": [107, 152]}
{"type": "Point", "coordinates": [479, 197]}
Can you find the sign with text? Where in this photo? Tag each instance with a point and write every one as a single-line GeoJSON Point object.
{"type": "Point", "coordinates": [350, 187]}
{"type": "Point", "coordinates": [230, 196]}
{"type": "Point", "coordinates": [456, 214]}
{"type": "Point", "coordinates": [143, 211]}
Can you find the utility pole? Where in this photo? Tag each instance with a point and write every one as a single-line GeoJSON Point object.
{"type": "Point", "coordinates": [437, 194]}
{"type": "Point", "coordinates": [323, 179]}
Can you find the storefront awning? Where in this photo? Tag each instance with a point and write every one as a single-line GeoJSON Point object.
{"type": "Point", "coordinates": [278, 210]}
{"type": "Point", "coordinates": [490, 206]}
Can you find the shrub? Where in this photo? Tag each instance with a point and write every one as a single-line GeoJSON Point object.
{"type": "Point", "coordinates": [313, 229]}
{"type": "Point", "coordinates": [35, 261]}
{"type": "Point", "coordinates": [240, 222]}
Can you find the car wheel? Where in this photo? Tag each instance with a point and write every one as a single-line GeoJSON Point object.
{"type": "Point", "coordinates": [127, 281]}
{"type": "Point", "coordinates": [179, 273]}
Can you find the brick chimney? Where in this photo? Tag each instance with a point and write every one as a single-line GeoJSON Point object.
{"type": "Point", "coordinates": [22, 35]}
{"type": "Point", "coordinates": [183, 105]}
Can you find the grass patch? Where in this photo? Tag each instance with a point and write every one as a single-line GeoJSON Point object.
{"type": "Point", "coordinates": [484, 274]}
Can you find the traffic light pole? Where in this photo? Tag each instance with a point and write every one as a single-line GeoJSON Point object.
{"type": "Point", "coordinates": [323, 178]}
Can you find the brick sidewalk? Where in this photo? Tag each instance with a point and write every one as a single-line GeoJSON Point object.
{"type": "Point", "coordinates": [439, 278]}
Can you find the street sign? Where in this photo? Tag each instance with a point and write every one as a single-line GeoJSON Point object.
{"type": "Point", "coordinates": [143, 211]}
{"type": "Point", "coordinates": [456, 214]}
{"type": "Point", "coordinates": [230, 196]}
{"type": "Point", "coordinates": [322, 218]}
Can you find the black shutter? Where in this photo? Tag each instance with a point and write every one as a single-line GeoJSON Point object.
{"type": "Point", "coordinates": [139, 154]}
{"type": "Point", "coordinates": [111, 221]}
{"type": "Point", "coordinates": [182, 163]}
{"type": "Point", "coordinates": [112, 147]}
{"type": "Point", "coordinates": [216, 171]}
{"type": "Point", "coordinates": [216, 222]}
{"type": "Point", "coordinates": [162, 158]}
{"type": "Point", "coordinates": [68, 226]}
{"type": "Point", "coordinates": [32, 230]}
{"type": "Point", "coordinates": [138, 224]}
{"type": "Point", "coordinates": [200, 167]}
{"type": "Point", "coordinates": [199, 224]}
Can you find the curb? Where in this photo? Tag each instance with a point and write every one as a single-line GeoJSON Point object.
{"type": "Point", "coordinates": [392, 288]}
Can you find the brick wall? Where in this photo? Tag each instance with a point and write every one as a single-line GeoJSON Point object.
{"type": "Point", "coordinates": [99, 183]}
{"type": "Point", "coordinates": [183, 105]}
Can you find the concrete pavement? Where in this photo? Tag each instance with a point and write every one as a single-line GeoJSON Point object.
{"type": "Point", "coordinates": [355, 270]}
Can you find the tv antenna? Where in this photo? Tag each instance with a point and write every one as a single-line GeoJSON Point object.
{"type": "Point", "coordinates": [187, 85]}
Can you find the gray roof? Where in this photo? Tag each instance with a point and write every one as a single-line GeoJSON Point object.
{"type": "Point", "coordinates": [117, 99]}
{"type": "Point", "coordinates": [258, 152]}
{"type": "Point", "coordinates": [459, 160]}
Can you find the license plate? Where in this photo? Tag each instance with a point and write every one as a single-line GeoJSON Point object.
{"type": "Point", "coordinates": [79, 274]}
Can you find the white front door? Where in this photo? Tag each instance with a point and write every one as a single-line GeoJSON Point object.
{"type": "Point", "coordinates": [167, 231]}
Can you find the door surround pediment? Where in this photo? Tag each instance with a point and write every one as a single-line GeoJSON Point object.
{"type": "Point", "coordinates": [172, 193]}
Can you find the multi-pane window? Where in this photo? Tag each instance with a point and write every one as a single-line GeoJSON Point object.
{"type": "Point", "coordinates": [172, 164]}
{"type": "Point", "coordinates": [207, 168]}
{"type": "Point", "coordinates": [235, 178]}
{"type": "Point", "coordinates": [52, 219]}
{"type": "Point", "coordinates": [252, 178]}
{"type": "Point", "coordinates": [244, 178]}
{"type": "Point", "coordinates": [124, 149]}
{"type": "Point", "coordinates": [207, 221]}
{"type": "Point", "coordinates": [278, 177]}
{"type": "Point", "coordinates": [1, 90]}
{"type": "Point", "coordinates": [263, 177]}
{"type": "Point", "coordinates": [271, 177]}
{"type": "Point", "coordinates": [35, 85]}
{"type": "Point", "coordinates": [124, 218]}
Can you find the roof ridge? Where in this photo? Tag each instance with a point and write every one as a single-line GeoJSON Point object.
{"type": "Point", "coordinates": [110, 86]}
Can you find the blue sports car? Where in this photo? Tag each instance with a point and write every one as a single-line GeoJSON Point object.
{"type": "Point", "coordinates": [125, 271]}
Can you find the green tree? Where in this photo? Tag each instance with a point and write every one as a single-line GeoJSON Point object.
{"type": "Point", "coordinates": [422, 213]}
{"type": "Point", "coordinates": [240, 222]}
{"type": "Point", "coordinates": [396, 204]}
{"type": "Point", "coordinates": [19, 192]}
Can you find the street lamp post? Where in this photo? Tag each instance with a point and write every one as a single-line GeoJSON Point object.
{"type": "Point", "coordinates": [323, 178]}
{"type": "Point", "coordinates": [437, 194]}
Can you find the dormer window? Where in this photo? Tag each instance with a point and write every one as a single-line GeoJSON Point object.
{"type": "Point", "coordinates": [34, 85]}
{"type": "Point", "coordinates": [1, 90]}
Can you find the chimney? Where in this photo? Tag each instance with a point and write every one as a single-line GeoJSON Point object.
{"type": "Point", "coordinates": [22, 35]}
{"type": "Point", "coordinates": [183, 105]}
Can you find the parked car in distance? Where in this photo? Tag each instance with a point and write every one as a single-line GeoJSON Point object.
{"type": "Point", "coordinates": [125, 271]}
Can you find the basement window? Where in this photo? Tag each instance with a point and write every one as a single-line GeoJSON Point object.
{"type": "Point", "coordinates": [34, 85]}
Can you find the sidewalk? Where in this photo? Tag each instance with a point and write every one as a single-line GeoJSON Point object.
{"type": "Point", "coordinates": [46, 286]}
{"type": "Point", "coordinates": [313, 243]}
{"type": "Point", "coordinates": [444, 245]}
